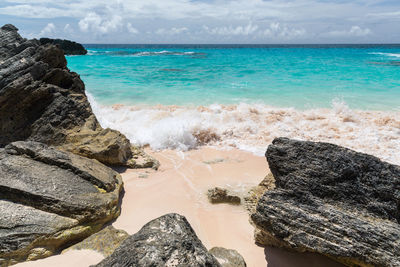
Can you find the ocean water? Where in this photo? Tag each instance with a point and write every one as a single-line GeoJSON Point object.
{"type": "Point", "coordinates": [183, 96]}
{"type": "Point", "coordinates": [365, 77]}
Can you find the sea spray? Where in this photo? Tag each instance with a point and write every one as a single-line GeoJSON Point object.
{"type": "Point", "coordinates": [253, 127]}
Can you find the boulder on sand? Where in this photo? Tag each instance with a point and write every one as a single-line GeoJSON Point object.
{"type": "Point", "coordinates": [228, 257]}
{"type": "Point", "coordinates": [50, 199]}
{"type": "Point", "coordinates": [333, 201]}
{"type": "Point", "coordinates": [166, 241]}
{"type": "Point", "coordinates": [220, 195]}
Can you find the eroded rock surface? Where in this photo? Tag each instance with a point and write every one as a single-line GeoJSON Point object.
{"type": "Point", "coordinates": [220, 195]}
{"type": "Point", "coordinates": [42, 100]}
{"type": "Point", "coordinates": [331, 200]}
{"type": "Point", "coordinates": [104, 241]}
{"type": "Point", "coordinates": [51, 198]}
{"type": "Point", "coordinates": [255, 193]}
{"type": "Point", "coordinates": [166, 241]}
{"type": "Point", "coordinates": [228, 257]}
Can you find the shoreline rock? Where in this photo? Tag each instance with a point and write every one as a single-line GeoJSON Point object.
{"type": "Point", "coordinates": [69, 47]}
{"type": "Point", "coordinates": [219, 195]}
{"type": "Point", "coordinates": [50, 199]}
{"type": "Point", "coordinates": [42, 100]}
{"type": "Point", "coordinates": [166, 241]}
{"type": "Point", "coordinates": [333, 201]}
{"type": "Point", "coordinates": [228, 257]}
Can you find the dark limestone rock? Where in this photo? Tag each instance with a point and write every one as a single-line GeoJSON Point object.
{"type": "Point", "coordinates": [228, 257]}
{"type": "Point", "coordinates": [42, 100]}
{"type": "Point", "coordinates": [69, 47]}
{"type": "Point", "coordinates": [166, 241]}
{"type": "Point", "coordinates": [331, 200]}
{"type": "Point", "coordinates": [51, 198]}
{"type": "Point", "coordinates": [220, 195]}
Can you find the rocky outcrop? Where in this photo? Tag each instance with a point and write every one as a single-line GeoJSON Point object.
{"type": "Point", "coordinates": [331, 200]}
{"type": "Point", "coordinates": [228, 257]}
{"type": "Point", "coordinates": [51, 198]}
{"type": "Point", "coordinates": [69, 47]}
{"type": "Point", "coordinates": [220, 195]}
{"type": "Point", "coordinates": [42, 100]}
{"type": "Point", "coordinates": [166, 241]}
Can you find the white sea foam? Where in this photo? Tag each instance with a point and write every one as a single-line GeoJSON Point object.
{"type": "Point", "coordinates": [253, 127]}
{"type": "Point", "coordinates": [386, 54]}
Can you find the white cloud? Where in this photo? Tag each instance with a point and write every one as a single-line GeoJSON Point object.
{"type": "Point", "coordinates": [275, 29]}
{"type": "Point", "coordinates": [239, 30]}
{"type": "Point", "coordinates": [355, 31]}
{"type": "Point", "coordinates": [97, 24]}
{"type": "Point", "coordinates": [131, 29]}
{"type": "Point", "coordinates": [68, 29]}
{"type": "Point", "coordinates": [117, 20]}
{"type": "Point", "coordinates": [37, 11]}
{"type": "Point", "coordinates": [49, 30]}
{"type": "Point", "coordinates": [171, 31]}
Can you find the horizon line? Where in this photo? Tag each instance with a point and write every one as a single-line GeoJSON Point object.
{"type": "Point", "coordinates": [240, 43]}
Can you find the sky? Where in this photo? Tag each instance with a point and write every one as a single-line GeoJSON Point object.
{"type": "Point", "coordinates": [207, 21]}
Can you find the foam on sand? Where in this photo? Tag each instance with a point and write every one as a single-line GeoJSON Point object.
{"type": "Point", "coordinates": [253, 127]}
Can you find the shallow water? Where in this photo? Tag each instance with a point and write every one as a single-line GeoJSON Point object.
{"type": "Point", "coordinates": [363, 76]}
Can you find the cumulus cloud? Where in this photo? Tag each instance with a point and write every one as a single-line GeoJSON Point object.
{"type": "Point", "coordinates": [97, 24]}
{"type": "Point", "coordinates": [102, 19]}
{"type": "Point", "coordinates": [275, 29]}
{"type": "Point", "coordinates": [354, 31]}
{"type": "Point", "coordinates": [239, 30]}
{"type": "Point", "coordinates": [49, 30]}
{"type": "Point", "coordinates": [131, 29]}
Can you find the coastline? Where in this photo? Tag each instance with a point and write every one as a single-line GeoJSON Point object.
{"type": "Point", "coordinates": [57, 191]}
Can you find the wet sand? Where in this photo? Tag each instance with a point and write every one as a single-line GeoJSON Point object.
{"type": "Point", "coordinates": [180, 186]}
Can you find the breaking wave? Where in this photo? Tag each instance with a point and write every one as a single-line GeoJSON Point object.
{"type": "Point", "coordinates": [253, 127]}
{"type": "Point", "coordinates": [145, 53]}
{"type": "Point", "coordinates": [386, 54]}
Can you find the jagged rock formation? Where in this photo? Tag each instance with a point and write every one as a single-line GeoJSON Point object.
{"type": "Point", "coordinates": [104, 241]}
{"type": "Point", "coordinates": [228, 257]}
{"type": "Point", "coordinates": [51, 198]}
{"type": "Point", "coordinates": [166, 241]}
{"type": "Point", "coordinates": [42, 100]}
{"type": "Point", "coordinates": [69, 47]}
{"type": "Point", "coordinates": [220, 195]}
{"type": "Point", "coordinates": [331, 200]}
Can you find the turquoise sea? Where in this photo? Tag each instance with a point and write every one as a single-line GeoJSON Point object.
{"type": "Point", "coordinates": [300, 76]}
{"type": "Point", "coordinates": [184, 96]}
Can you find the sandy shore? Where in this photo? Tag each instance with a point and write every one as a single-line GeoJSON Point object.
{"type": "Point", "coordinates": [180, 186]}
